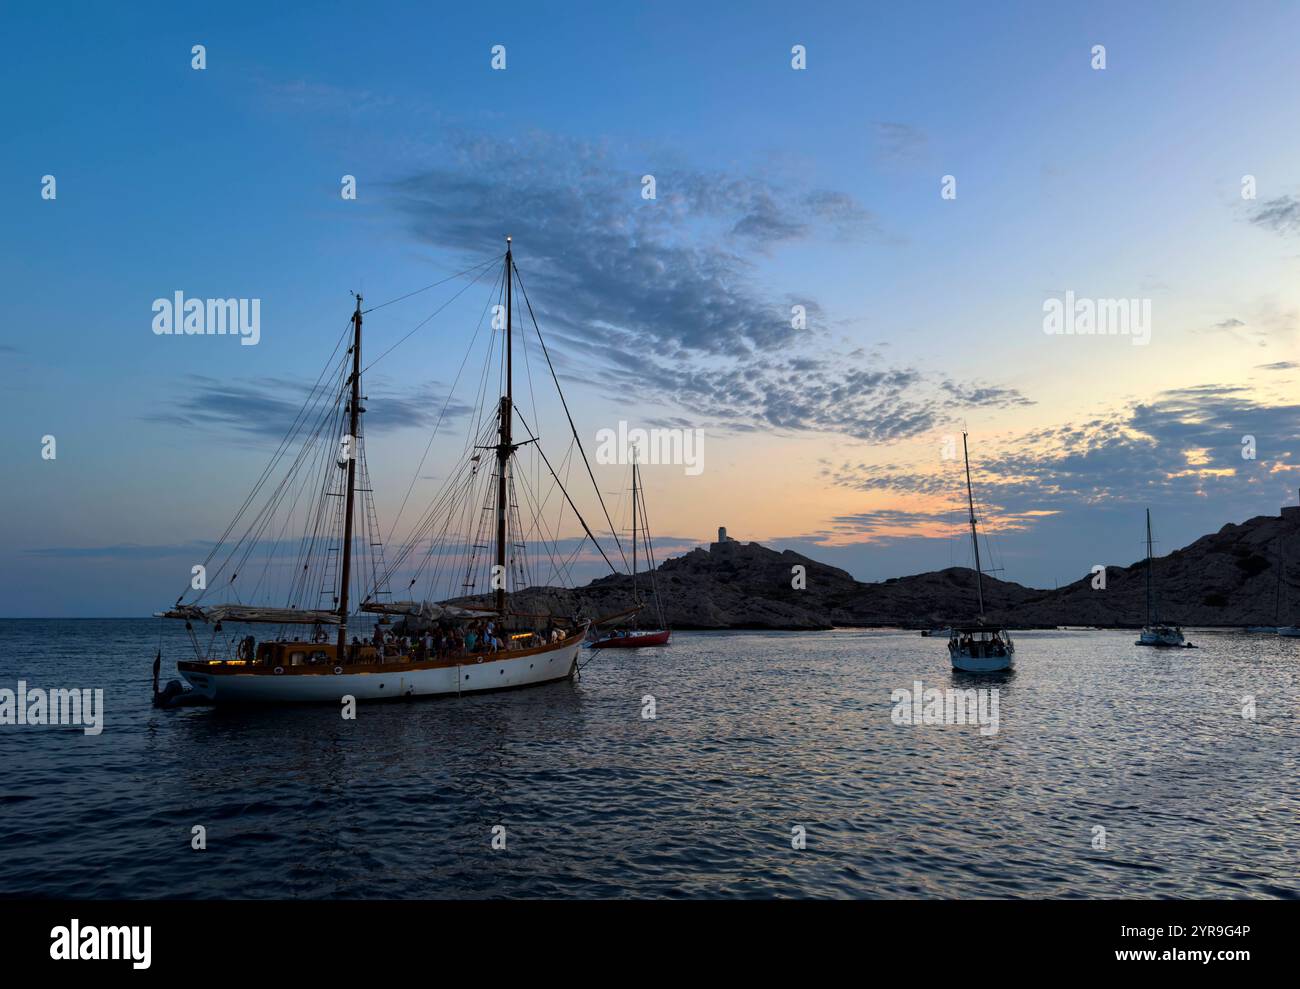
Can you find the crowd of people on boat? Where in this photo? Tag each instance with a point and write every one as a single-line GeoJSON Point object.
{"type": "Point", "coordinates": [446, 640]}
{"type": "Point", "coordinates": [472, 638]}
{"type": "Point", "coordinates": [981, 646]}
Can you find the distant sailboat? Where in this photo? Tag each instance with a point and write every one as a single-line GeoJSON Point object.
{"type": "Point", "coordinates": [1285, 631]}
{"type": "Point", "coordinates": [979, 648]}
{"type": "Point", "coordinates": [1154, 633]}
{"type": "Point", "coordinates": [1275, 628]}
{"type": "Point", "coordinates": [635, 637]}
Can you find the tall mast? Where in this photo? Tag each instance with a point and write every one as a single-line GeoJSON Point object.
{"type": "Point", "coordinates": [1277, 596]}
{"type": "Point", "coordinates": [504, 448]}
{"type": "Point", "coordinates": [1148, 567]}
{"type": "Point", "coordinates": [634, 598]}
{"type": "Point", "coordinates": [974, 536]}
{"type": "Point", "coordinates": [354, 412]}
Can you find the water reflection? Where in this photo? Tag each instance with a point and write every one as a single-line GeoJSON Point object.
{"type": "Point", "coordinates": [753, 735]}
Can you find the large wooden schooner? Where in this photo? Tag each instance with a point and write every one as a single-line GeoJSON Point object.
{"type": "Point", "coordinates": [303, 652]}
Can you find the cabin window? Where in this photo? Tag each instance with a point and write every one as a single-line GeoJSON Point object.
{"type": "Point", "coordinates": [296, 658]}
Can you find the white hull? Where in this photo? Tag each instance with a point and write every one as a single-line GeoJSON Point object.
{"type": "Point", "coordinates": [1170, 638]}
{"type": "Point", "coordinates": [981, 650]}
{"type": "Point", "coordinates": [399, 681]}
{"type": "Point", "coordinates": [982, 664]}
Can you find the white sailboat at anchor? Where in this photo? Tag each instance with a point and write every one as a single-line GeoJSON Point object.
{"type": "Point", "coordinates": [979, 648]}
{"type": "Point", "coordinates": [1154, 633]}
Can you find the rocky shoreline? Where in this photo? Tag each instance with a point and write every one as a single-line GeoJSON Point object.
{"type": "Point", "coordinates": [1227, 579]}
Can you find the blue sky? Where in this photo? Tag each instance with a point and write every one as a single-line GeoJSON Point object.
{"type": "Point", "coordinates": [818, 187]}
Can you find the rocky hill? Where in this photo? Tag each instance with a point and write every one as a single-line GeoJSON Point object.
{"type": "Point", "coordinates": [1228, 578]}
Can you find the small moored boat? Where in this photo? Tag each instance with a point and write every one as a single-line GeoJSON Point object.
{"type": "Point", "coordinates": [635, 637]}
{"type": "Point", "coordinates": [1154, 633]}
{"type": "Point", "coordinates": [979, 648]}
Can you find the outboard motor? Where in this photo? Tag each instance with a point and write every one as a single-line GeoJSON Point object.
{"type": "Point", "coordinates": [169, 695]}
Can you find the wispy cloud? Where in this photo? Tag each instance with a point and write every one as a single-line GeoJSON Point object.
{"type": "Point", "coordinates": [666, 293]}
{"type": "Point", "coordinates": [266, 408]}
{"type": "Point", "coordinates": [1183, 444]}
{"type": "Point", "coordinates": [898, 143]}
{"type": "Point", "coordinates": [1281, 215]}
{"type": "Point", "coordinates": [124, 551]}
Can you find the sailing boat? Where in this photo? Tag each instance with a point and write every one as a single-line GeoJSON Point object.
{"type": "Point", "coordinates": [1285, 631]}
{"type": "Point", "coordinates": [458, 650]}
{"type": "Point", "coordinates": [1154, 633]}
{"type": "Point", "coordinates": [1275, 628]}
{"type": "Point", "coordinates": [979, 648]}
{"type": "Point", "coordinates": [634, 637]}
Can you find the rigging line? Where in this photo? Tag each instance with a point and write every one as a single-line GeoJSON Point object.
{"type": "Point", "coordinates": [650, 556]}
{"type": "Point", "coordinates": [446, 496]}
{"type": "Point", "coordinates": [464, 288]}
{"type": "Point", "coordinates": [264, 517]}
{"type": "Point", "coordinates": [586, 528]}
{"type": "Point", "coordinates": [318, 472]}
{"type": "Point", "coordinates": [495, 259]}
{"type": "Point", "coordinates": [258, 522]}
{"type": "Point", "coordinates": [480, 400]}
{"type": "Point", "coordinates": [438, 425]}
{"type": "Point", "coordinates": [554, 377]}
{"type": "Point", "coordinates": [259, 519]}
{"type": "Point", "coordinates": [438, 540]}
{"type": "Point", "coordinates": [298, 481]}
{"type": "Point", "coordinates": [315, 566]}
{"type": "Point", "coordinates": [278, 542]}
{"type": "Point", "coordinates": [551, 544]}
{"type": "Point", "coordinates": [279, 452]}
{"type": "Point", "coordinates": [559, 522]}
{"type": "Point", "coordinates": [459, 485]}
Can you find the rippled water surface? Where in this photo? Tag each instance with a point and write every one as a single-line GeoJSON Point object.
{"type": "Point", "coordinates": [755, 734]}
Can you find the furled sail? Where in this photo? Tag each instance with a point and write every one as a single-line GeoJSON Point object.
{"type": "Point", "coordinates": [426, 610]}
{"type": "Point", "coordinates": [250, 613]}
